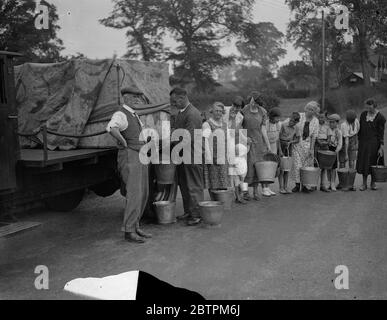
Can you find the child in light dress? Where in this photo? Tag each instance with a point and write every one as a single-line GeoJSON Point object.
{"type": "Point", "coordinates": [238, 171]}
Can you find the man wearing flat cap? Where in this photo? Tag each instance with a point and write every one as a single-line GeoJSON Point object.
{"type": "Point", "coordinates": [125, 126]}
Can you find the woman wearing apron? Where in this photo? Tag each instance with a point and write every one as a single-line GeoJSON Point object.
{"type": "Point", "coordinates": [254, 121]}
{"type": "Point", "coordinates": [273, 132]}
{"type": "Point", "coordinates": [216, 175]}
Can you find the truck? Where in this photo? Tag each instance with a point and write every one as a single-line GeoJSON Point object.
{"type": "Point", "coordinates": [41, 173]}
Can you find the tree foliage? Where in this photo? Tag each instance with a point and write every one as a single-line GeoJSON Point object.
{"type": "Point", "coordinates": [18, 32]}
{"type": "Point", "coordinates": [295, 70]}
{"type": "Point", "coordinates": [199, 28]}
{"type": "Point", "coordinates": [367, 25]}
{"type": "Point", "coordinates": [144, 27]}
{"type": "Point", "coordinates": [261, 43]}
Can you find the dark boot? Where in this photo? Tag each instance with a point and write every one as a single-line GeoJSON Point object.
{"type": "Point", "coordinates": [296, 188]}
{"type": "Point", "coordinates": [143, 234]}
{"type": "Point", "coordinates": [134, 237]}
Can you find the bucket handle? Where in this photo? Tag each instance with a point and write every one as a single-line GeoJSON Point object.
{"type": "Point", "coordinates": [309, 156]}
{"type": "Point", "coordinates": [315, 160]}
{"type": "Point", "coordinates": [377, 161]}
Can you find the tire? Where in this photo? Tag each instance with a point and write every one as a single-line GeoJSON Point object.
{"type": "Point", "coordinates": [107, 188]}
{"type": "Point", "coordinates": [65, 202]}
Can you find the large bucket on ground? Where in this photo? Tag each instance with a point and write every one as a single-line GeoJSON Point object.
{"type": "Point", "coordinates": [165, 211]}
{"type": "Point", "coordinates": [266, 171]}
{"type": "Point", "coordinates": [165, 173]}
{"type": "Point", "coordinates": [326, 159]}
{"type": "Point", "coordinates": [286, 164]}
{"type": "Point", "coordinates": [310, 176]}
{"type": "Point", "coordinates": [346, 178]}
{"type": "Point", "coordinates": [379, 172]}
{"type": "Point", "coordinates": [224, 196]}
{"type": "Point", "coordinates": [211, 212]}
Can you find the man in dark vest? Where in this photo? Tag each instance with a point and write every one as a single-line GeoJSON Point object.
{"type": "Point", "coordinates": [126, 126]}
{"type": "Point", "coordinates": [190, 176]}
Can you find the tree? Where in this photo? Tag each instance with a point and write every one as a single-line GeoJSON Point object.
{"type": "Point", "coordinates": [198, 27]}
{"type": "Point", "coordinates": [261, 43]}
{"type": "Point", "coordinates": [144, 27]}
{"type": "Point", "coordinates": [295, 70]}
{"type": "Point", "coordinates": [18, 32]}
{"type": "Point", "coordinates": [250, 78]}
{"type": "Point", "coordinates": [367, 23]}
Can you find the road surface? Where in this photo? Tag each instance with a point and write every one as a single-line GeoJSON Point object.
{"type": "Point", "coordinates": [279, 248]}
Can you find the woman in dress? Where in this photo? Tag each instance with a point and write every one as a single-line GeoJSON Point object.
{"type": "Point", "coordinates": [371, 141]}
{"type": "Point", "coordinates": [254, 121]}
{"type": "Point", "coordinates": [216, 175]}
{"type": "Point", "coordinates": [304, 150]}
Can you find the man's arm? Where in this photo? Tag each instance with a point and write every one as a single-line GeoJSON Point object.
{"type": "Point", "coordinates": [115, 133]}
{"type": "Point", "coordinates": [118, 123]}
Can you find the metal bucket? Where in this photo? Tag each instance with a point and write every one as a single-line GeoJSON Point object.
{"type": "Point", "coordinates": [165, 211]}
{"type": "Point", "coordinates": [286, 164]}
{"type": "Point", "coordinates": [224, 196]}
{"type": "Point", "coordinates": [211, 212]}
{"type": "Point", "coordinates": [346, 178]}
{"type": "Point", "coordinates": [310, 176]}
{"type": "Point", "coordinates": [165, 173]}
{"type": "Point", "coordinates": [326, 159]}
{"type": "Point", "coordinates": [266, 171]}
{"type": "Point", "coordinates": [244, 187]}
{"type": "Point", "coordinates": [379, 172]}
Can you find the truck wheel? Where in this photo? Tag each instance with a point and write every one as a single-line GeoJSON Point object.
{"type": "Point", "coordinates": [107, 188]}
{"type": "Point", "coordinates": [65, 202]}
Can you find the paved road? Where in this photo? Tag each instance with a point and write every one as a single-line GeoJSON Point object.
{"type": "Point", "coordinates": [283, 247]}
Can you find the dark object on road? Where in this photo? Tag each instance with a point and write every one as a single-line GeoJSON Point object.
{"type": "Point", "coordinates": [379, 172]}
{"type": "Point", "coordinates": [151, 289]}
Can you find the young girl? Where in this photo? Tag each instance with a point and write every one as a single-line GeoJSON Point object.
{"type": "Point", "coordinates": [322, 144]}
{"type": "Point", "coordinates": [335, 143]}
{"type": "Point", "coordinates": [238, 171]}
{"type": "Point", "coordinates": [289, 134]}
{"type": "Point", "coordinates": [350, 129]}
{"type": "Point", "coordinates": [273, 132]}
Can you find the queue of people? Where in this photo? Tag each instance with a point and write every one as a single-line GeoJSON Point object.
{"type": "Point", "coordinates": [357, 144]}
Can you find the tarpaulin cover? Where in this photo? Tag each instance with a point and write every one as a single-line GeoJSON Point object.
{"type": "Point", "coordinates": [68, 97]}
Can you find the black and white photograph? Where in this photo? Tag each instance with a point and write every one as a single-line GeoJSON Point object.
{"type": "Point", "coordinates": [189, 151]}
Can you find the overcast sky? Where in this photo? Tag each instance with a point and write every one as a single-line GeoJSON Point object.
{"type": "Point", "coordinates": [81, 31]}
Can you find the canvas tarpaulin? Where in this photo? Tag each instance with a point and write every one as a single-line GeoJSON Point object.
{"type": "Point", "coordinates": [74, 96]}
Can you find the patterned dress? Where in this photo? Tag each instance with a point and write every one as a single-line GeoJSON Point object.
{"type": "Point", "coordinates": [301, 156]}
{"type": "Point", "coordinates": [216, 176]}
{"type": "Point", "coordinates": [253, 122]}
{"type": "Point", "coordinates": [273, 132]}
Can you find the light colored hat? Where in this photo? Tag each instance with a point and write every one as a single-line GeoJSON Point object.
{"type": "Point", "coordinates": [334, 117]}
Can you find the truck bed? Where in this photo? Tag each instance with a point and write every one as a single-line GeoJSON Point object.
{"type": "Point", "coordinates": [34, 157]}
